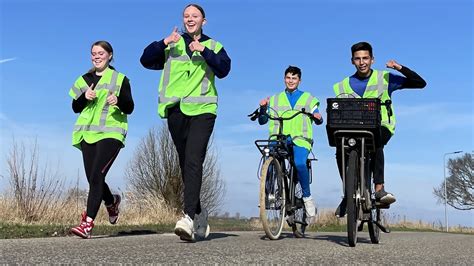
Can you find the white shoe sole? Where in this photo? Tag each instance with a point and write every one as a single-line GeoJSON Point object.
{"type": "Point", "coordinates": [80, 234]}
{"type": "Point", "coordinates": [184, 235]}
{"type": "Point", "coordinates": [387, 200]}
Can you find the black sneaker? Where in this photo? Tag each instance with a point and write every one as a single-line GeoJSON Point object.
{"type": "Point", "coordinates": [341, 209]}
{"type": "Point", "coordinates": [201, 225]}
{"type": "Point", "coordinates": [384, 197]}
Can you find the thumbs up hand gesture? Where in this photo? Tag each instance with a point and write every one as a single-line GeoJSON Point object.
{"type": "Point", "coordinates": [173, 37]}
{"type": "Point", "coordinates": [112, 99]}
{"type": "Point", "coordinates": [90, 93]}
{"type": "Point", "coordinates": [196, 45]}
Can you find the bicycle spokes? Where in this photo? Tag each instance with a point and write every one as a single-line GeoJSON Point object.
{"type": "Point", "coordinates": [272, 198]}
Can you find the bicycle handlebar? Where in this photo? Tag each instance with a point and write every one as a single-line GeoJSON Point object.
{"type": "Point", "coordinates": [253, 116]}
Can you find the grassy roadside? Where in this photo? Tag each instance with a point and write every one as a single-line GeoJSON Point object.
{"type": "Point", "coordinates": [218, 224]}
{"type": "Point", "coordinates": [50, 230]}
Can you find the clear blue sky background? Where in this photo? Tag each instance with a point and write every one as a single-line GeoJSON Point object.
{"type": "Point", "coordinates": [45, 46]}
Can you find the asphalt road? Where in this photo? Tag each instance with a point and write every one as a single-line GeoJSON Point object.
{"type": "Point", "coordinates": [244, 248]}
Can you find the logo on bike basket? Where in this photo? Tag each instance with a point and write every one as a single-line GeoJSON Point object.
{"type": "Point", "coordinates": [335, 105]}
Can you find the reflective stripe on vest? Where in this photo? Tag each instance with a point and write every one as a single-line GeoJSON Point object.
{"type": "Point", "coordinates": [307, 108]}
{"type": "Point", "coordinates": [204, 85]}
{"type": "Point", "coordinates": [278, 109]}
{"type": "Point", "coordinates": [101, 128]}
{"type": "Point", "coordinates": [79, 91]}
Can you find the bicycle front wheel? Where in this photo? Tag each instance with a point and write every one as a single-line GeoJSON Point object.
{"type": "Point", "coordinates": [351, 190]}
{"type": "Point", "coordinates": [272, 198]}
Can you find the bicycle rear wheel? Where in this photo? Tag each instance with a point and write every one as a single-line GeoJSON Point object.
{"type": "Point", "coordinates": [272, 198]}
{"type": "Point", "coordinates": [299, 216]}
{"type": "Point", "coordinates": [350, 193]}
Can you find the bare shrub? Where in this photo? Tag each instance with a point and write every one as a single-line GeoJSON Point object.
{"type": "Point", "coordinates": [146, 209]}
{"type": "Point", "coordinates": [35, 190]}
{"type": "Point", "coordinates": [154, 171]}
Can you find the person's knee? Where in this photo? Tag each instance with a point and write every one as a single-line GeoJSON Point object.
{"type": "Point", "coordinates": [96, 179]}
{"type": "Point", "coordinates": [194, 163]}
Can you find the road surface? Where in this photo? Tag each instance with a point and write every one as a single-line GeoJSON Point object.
{"type": "Point", "coordinates": [244, 248]}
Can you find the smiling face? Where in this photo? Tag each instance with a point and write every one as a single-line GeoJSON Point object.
{"type": "Point", "coordinates": [193, 20]}
{"type": "Point", "coordinates": [100, 58]}
{"type": "Point", "coordinates": [292, 81]}
{"type": "Point", "coordinates": [362, 60]}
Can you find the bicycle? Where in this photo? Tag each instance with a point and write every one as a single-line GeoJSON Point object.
{"type": "Point", "coordinates": [354, 125]}
{"type": "Point", "coordinates": [280, 192]}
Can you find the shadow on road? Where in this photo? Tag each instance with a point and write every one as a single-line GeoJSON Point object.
{"type": "Point", "coordinates": [341, 240]}
{"type": "Point", "coordinates": [217, 236]}
{"type": "Point", "coordinates": [282, 236]}
{"type": "Point", "coordinates": [129, 233]}
{"type": "Point", "coordinates": [136, 232]}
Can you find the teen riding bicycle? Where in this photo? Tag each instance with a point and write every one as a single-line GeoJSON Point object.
{"type": "Point", "coordinates": [285, 104]}
{"type": "Point", "coordinates": [369, 83]}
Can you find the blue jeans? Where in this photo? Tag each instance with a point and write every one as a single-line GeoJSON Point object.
{"type": "Point", "coordinates": [301, 157]}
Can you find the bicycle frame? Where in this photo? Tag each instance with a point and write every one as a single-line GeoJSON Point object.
{"type": "Point", "coordinates": [354, 126]}
{"type": "Point", "coordinates": [283, 153]}
{"type": "Point", "coordinates": [362, 151]}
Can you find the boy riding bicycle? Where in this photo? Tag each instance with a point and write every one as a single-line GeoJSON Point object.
{"type": "Point", "coordinates": [369, 83]}
{"type": "Point", "coordinates": [285, 104]}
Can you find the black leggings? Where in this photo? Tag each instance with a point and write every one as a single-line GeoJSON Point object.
{"type": "Point", "coordinates": [98, 158]}
{"type": "Point", "coordinates": [190, 136]}
{"type": "Point", "coordinates": [377, 161]}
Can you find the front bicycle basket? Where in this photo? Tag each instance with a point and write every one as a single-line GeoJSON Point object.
{"type": "Point", "coordinates": [352, 114]}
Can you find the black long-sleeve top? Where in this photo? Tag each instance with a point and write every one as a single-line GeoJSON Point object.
{"type": "Point", "coordinates": [153, 56]}
{"type": "Point", "coordinates": [413, 80]}
{"type": "Point", "coordinates": [124, 100]}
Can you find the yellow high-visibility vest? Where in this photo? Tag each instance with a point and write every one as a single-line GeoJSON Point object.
{"type": "Point", "coordinates": [99, 120]}
{"type": "Point", "coordinates": [377, 87]}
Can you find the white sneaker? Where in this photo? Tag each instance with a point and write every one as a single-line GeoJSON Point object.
{"type": "Point", "coordinates": [201, 225]}
{"type": "Point", "coordinates": [185, 229]}
{"type": "Point", "coordinates": [310, 209]}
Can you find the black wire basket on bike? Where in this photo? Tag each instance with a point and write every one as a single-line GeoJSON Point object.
{"type": "Point", "coordinates": [353, 113]}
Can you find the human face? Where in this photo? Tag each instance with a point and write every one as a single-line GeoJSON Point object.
{"type": "Point", "coordinates": [362, 61]}
{"type": "Point", "coordinates": [193, 20]}
{"type": "Point", "coordinates": [292, 81]}
{"type": "Point", "coordinates": [100, 58]}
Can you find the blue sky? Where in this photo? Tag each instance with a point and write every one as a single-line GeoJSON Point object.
{"type": "Point", "coordinates": [45, 46]}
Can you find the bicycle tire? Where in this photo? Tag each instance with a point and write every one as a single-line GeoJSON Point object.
{"type": "Point", "coordinates": [374, 230]}
{"type": "Point", "coordinates": [350, 191]}
{"type": "Point", "coordinates": [272, 198]}
{"type": "Point", "coordinates": [299, 216]}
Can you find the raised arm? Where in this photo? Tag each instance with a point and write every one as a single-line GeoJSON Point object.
{"type": "Point", "coordinates": [411, 79]}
